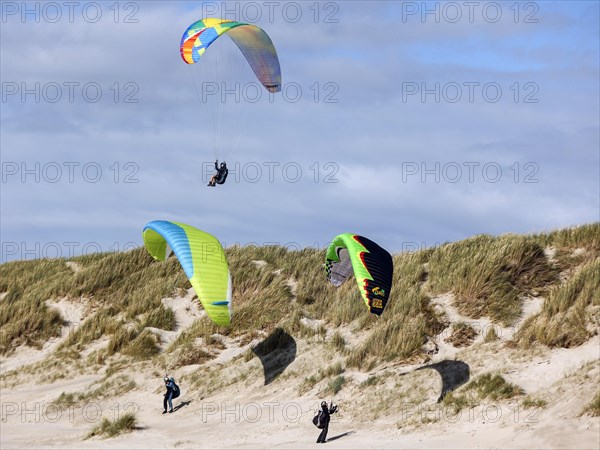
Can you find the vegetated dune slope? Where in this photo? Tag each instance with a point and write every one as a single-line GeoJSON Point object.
{"type": "Point", "coordinates": [491, 342]}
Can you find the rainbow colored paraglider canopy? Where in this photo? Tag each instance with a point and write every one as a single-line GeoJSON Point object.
{"type": "Point", "coordinates": [253, 42]}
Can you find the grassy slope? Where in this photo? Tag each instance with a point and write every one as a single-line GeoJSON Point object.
{"type": "Point", "coordinates": [489, 276]}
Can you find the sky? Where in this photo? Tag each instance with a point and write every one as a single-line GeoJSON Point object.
{"type": "Point", "coordinates": [411, 123]}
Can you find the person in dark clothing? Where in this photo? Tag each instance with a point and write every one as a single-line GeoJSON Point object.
{"type": "Point", "coordinates": [168, 395]}
{"type": "Point", "coordinates": [220, 176]}
{"type": "Point", "coordinates": [325, 414]}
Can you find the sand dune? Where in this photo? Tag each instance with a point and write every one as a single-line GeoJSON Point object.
{"type": "Point", "coordinates": [250, 414]}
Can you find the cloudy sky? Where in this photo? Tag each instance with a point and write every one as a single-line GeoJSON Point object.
{"type": "Point", "coordinates": [411, 123]}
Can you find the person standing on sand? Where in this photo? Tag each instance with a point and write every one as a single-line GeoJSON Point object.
{"type": "Point", "coordinates": [324, 420]}
{"type": "Point", "coordinates": [169, 394]}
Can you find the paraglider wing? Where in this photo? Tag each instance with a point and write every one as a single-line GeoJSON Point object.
{"type": "Point", "coordinates": [202, 259]}
{"type": "Point", "coordinates": [372, 266]}
{"type": "Point", "coordinates": [253, 42]}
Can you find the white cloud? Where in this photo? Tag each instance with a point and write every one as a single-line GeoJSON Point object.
{"type": "Point", "coordinates": [372, 135]}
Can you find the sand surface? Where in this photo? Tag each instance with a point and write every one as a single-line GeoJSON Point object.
{"type": "Point", "coordinates": [248, 414]}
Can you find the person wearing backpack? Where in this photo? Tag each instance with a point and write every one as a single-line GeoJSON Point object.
{"type": "Point", "coordinates": [172, 392]}
{"type": "Point", "coordinates": [323, 420]}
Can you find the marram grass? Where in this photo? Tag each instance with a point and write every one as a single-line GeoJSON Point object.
{"type": "Point", "coordinates": [489, 276]}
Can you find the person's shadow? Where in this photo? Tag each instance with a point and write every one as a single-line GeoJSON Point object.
{"type": "Point", "coordinates": [276, 352]}
{"type": "Point", "coordinates": [453, 373]}
{"type": "Point", "coordinates": [181, 405]}
{"type": "Point", "coordinates": [347, 433]}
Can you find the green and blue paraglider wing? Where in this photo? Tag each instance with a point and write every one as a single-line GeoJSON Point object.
{"type": "Point", "coordinates": [372, 266]}
{"type": "Point", "coordinates": [203, 260]}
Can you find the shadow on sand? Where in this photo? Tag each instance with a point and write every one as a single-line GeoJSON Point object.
{"type": "Point", "coordinates": [347, 433]}
{"type": "Point", "coordinates": [181, 405]}
{"type": "Point", "coordinates": [453, 373]}
{"type": "Point", "coordinates": [276, 352]}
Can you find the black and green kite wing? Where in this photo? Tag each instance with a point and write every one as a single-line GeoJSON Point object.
{"type": "Point", "coordinates": [372, 266]}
